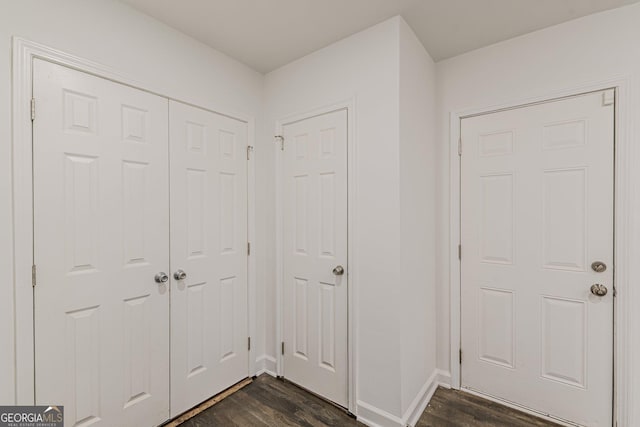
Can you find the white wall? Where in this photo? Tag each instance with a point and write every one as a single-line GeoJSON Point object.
{"type": "Point", "coordinates": [365, 66]}
{"type": "Point", "coordinates": [585, 51]}
{"type": "Point", "coordinates": [417, 215]}
{"type": "Point", "coordinates": [133, 44]}
{"type": "Point", "coordinates": [394, 340]}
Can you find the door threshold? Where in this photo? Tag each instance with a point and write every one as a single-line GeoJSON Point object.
{"type": "Point", "coordinates": [185, 416]}
{"type": "Point", "coordinates": [520, 408]}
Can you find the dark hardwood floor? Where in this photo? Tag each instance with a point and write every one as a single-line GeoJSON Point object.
{"type": "Point", "coordinates": [452, 408]}
{"type": "Point", "coordinates": [274, 403]}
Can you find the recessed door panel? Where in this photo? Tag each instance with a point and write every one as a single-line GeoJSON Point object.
{"type": "Point", "coordinates": [564, 340]}
{"type": "Point", "coordinates": [536, 211]}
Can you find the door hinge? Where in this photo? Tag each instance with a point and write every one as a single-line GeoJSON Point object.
{"type": "Point", "coordinates": [460, 146]}
{"type": "Point", "coordinates": [282, 348]}
{"type": "Point", "coordinates": [460, 356]}
{"type": "Point", "coordinates": [249, 150]}
{"type": "Point", "coordinates": [33, 275]}
{"type": "Point", "coordinates": [460, 252]}
{"type": "Point", "coordinates": [281, 139]}
{"type": "Point", "coordinates": [249, 343]}
{"type": "Point", "coordinates": [33, 109]}
{"type": "Point", "coordinates": [248, 248]}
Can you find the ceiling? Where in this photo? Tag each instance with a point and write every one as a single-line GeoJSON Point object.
{"type": "Point", "coordinates": [266, 34]}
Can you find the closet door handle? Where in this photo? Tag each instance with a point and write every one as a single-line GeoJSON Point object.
{"type": "Point", "coordinates": [161, 277]}
{"type": "Point", "coordinates": [180, 274]}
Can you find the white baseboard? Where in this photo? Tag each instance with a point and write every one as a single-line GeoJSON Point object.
{"type": "Point", "coordinates": [444, 378]}
{"type": "Point", "coordinates": [422, 399]}
{"type": "Point", "coordinates": [266, 364]}
{"type": "Point", "coordinates": [375, 417]}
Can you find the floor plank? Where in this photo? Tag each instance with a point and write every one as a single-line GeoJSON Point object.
{"type": "Point", "coordinates": [269, 402]}
{"type": "Point", "coordinates": [449, 408]}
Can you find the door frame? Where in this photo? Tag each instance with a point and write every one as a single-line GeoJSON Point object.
{"type": "Point", "coordinates": [349, 106]}
{"type": "Point", "coordinates": [623, 215]}
{"type": "Point", "coordinates": [23, 53]}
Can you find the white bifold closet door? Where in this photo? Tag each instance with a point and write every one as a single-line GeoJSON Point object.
{"type": "Point", "coordinates": [101, 224]}
{"type": "Point", "coordinates": [537, 211]}
{"type": "Point", "coordinates": [315, 255]}
{"type": "Point", "coordinates": [209, 243]}
{"type": "Point", "coordinates": [102, 233]}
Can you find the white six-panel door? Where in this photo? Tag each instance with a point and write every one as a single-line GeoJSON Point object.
{"type": "Point", "coordinates": [101, 200]}
{"type": "Point", "coordinates": [537, 211]}
{"type": "Point", "coordinates": [209, 332]}
{"type": "Point", "coordinates": [315, 249]}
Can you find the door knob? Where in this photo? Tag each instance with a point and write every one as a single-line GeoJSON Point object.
{"type": "Point", "coordinates": [180, 274]}
{"type": "Point", "coordinates": [599, 290]}
{"type": "Point", "coordinates": [598, 266]}
{"type": "Point", "coordinates": [161, 277]}
{"type": "Point", "coordinates": [338, 271]}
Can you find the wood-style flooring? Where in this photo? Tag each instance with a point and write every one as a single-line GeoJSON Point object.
{"type": "Point", "coordinates": [452, 408]}
{"type": "Point", "coordinates": [269, 402]}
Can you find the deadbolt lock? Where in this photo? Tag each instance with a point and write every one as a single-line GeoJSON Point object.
{"type": "Point", "coordinates": [598, 266]}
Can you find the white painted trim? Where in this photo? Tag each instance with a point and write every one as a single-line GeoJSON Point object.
{"type": "Point", "coordinates": [266, 365]}
{"type": "Point", "coordinates": [374, 417]}
{"type": "Point", "coordinates": [625, 157]}
{"type": "Point", "coordinates": [352, 273]}
{"type": "Point", "coordinates": [251, 238]}
{"type": "Point", "coordinates": [422, 399]}
{"type": "Point", "coordinates": [267, 372]}
{"type": "Point", "coordinates": [24, 52]}
{"type": "Point", "coordinates": [444, 378]}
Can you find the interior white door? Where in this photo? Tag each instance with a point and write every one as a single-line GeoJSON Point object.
{"type": "Point", "coordinates": [537, 210]}
{"type": "Point", "coordinates": [315, 255]}
{"type": "Point", "coordinates": [209, 329]}
{"type": "Point", "coordinates": [101, 222]}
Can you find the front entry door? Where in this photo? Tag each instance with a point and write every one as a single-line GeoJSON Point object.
{"type": "Point", "coordinates": [315, 255]}
{"type": "Point", "coordinates": [536, 212]}
{"type": "Point", "coordinates": [209, 328]}
{"type": "Point", "coordinates": [101, 223]}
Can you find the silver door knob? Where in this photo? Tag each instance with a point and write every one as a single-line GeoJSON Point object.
{"type": "Point", "coordinates": [162, 277]}
{"type": "Point", "coordinates": [599, 290]}
{"type": "Point", "coordinates": [598, 266]}
{"type": "Point", "coordinates": [179, 275]}
{"type": "Point", "coordinates": [338, 271]}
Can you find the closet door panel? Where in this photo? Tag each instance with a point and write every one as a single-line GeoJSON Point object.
{"type": "Point", "coordinates": [101, 227]}
{"type": "Point", "coordinates": [209, 244]}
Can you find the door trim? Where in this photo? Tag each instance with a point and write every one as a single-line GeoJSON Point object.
{"type": "Point", "coordinates": [23, 53]}
{"type": "Point", "coordinates": [624, 317]}
{"type": "Point", "coordinates": [352, 370]}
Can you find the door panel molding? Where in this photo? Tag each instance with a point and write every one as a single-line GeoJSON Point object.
{"type": "Point", "coordinates": [23, 53]}
{"type": "Point", "coordinates": [352, 278]}
{"type": "Point", "coordinates": [624, 212]}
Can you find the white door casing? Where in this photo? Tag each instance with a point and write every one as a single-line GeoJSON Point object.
{"type": "Point", "coordinates": [101, 234]}
{"type": "Point", "coordinates": [209, 330]}
{"type": "Point", "coordinates": [314, 243]}
{"type": "Point", "coordinates": [536, 211]}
